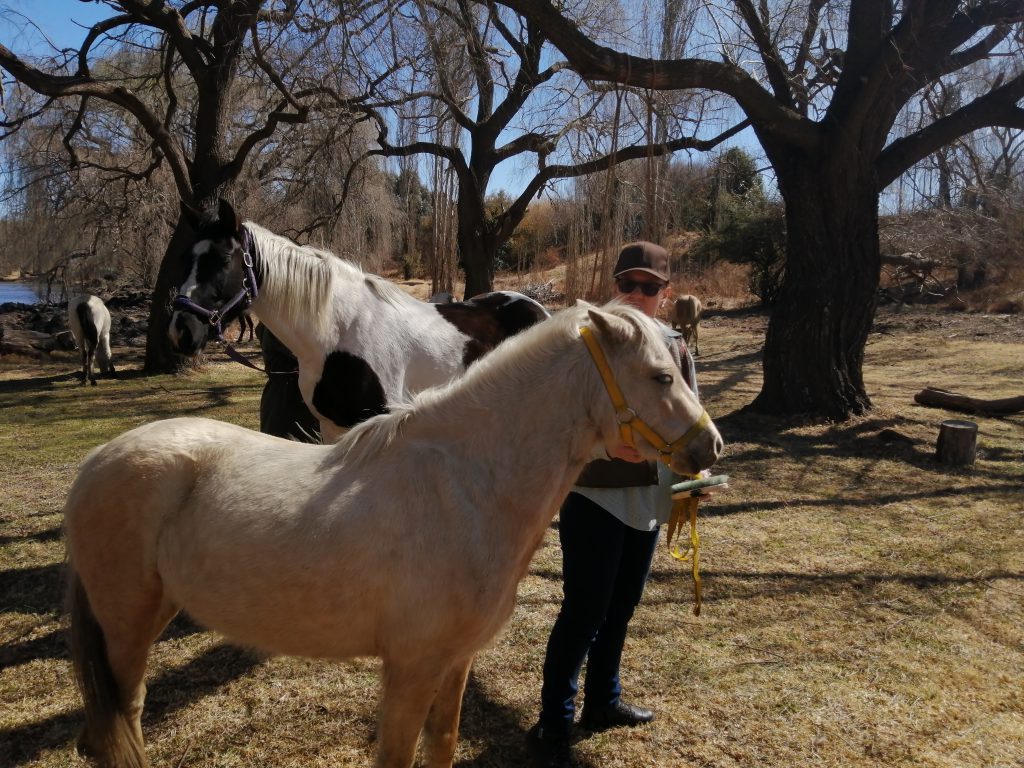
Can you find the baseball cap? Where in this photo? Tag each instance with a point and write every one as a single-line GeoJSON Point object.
{"type": "Point", "coordinates": [643, 256]}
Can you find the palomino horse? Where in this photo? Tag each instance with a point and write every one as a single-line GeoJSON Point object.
{"type": "Point", "coordinates": [404, 540]}
{"type": "Point", "coordinates": [89, 320]}
{"type": "Point", "coordinates": [363, 345]}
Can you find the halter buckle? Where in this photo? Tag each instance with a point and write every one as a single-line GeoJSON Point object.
{"type": "Point", "coordinates": [625, 415]}
{"type": "Point", "coordinates": [214, 318]}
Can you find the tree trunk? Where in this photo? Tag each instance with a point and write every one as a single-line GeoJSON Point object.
{"type": "Point", "coordinates": [476, 246]}
{"type": "Point", "coordinates": [814, 350]}
{"type": "Point", "coordinates": [160, 358]}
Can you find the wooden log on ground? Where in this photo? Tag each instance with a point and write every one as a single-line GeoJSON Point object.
{"type": "Point", "coordinates": [957, 443]}
{"type": "Point", "coordinates": [940, 398]}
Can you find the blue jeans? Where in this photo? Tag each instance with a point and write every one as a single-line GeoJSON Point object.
{"type": "Point", "coordinates": [604, 569]}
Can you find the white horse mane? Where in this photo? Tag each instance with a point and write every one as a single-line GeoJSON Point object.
{"type": "Point", "coordinates": [490, 373]}
{"type": "Point", "coordinates": [302, 278]}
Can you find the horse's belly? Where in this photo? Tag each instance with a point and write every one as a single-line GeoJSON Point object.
{"type": "Point", "coordinates": [281, 617]}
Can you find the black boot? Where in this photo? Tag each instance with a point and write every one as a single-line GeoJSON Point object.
{"type": "Point", "coordinates": [614, 715]}
{"type": "Point", "coordinates": [550, 749]}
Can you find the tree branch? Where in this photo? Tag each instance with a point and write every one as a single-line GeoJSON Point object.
{"type": "Point", "coordinates": [83, 85]}
{"type": "Point", "coordinates": [596, 62]}
{"type": "Point", "coordinates": [996, 108]}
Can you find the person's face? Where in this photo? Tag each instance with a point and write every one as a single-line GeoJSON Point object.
{"type": "Point", "coordinates": [630, 287]}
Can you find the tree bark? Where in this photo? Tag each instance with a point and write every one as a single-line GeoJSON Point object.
{"type": "Point", "coordinates": [476, 243]}
{"type": "Point", "coordinates": [814, 350]}
{"type": "Point", "coordinates": [160, 358]}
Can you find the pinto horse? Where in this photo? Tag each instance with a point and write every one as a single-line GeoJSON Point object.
{"type": "Point", "coordinates": [89, 319]}
{"type": "Point", "coordinates": [363, 345]}
{"type": "Point", "coordinates": [405, 540]}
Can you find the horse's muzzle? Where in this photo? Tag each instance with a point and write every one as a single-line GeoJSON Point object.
{"type": "Point", "coordinates": [187, 333]}
{"type": "Point", "coordinates": [700, 453]}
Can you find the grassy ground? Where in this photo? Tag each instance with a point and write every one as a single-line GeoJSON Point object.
{"type": "Point", "coordinates": [863, 605]}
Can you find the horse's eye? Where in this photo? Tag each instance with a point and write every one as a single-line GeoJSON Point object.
{"type": "Point", "coordinates": [664, 378]}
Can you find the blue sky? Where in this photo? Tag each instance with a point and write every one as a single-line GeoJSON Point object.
{"type": "Point", "coordinates": [25, 25]}
{"type": "Point", "coordinates": [55, 19]}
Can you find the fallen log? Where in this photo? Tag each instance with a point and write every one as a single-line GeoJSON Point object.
{"type": "Point", "coordinates": [941, 398]}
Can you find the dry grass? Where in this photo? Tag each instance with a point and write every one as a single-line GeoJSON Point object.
{"type": "Point", "coordinates": [864, 605]}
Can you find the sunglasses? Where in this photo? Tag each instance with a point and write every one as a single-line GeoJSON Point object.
{"type": "Point", "coordinates": [626, 287]}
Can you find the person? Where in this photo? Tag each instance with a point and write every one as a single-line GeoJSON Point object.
{"type": "Point", "coordinates": [608, 530]}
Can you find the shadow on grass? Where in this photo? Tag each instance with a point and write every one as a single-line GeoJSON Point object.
{"type": "Point", "coordinates": [52, 381]}
{"type": "Point", "coordinates": [51, 534]}
{"type": "Point", "coordinates": [174, 689]}
{"type": "Point", "coordinates": [184, 401]}
{"type": "Point", "coordinates": [32, 590]}
{"type": "Point", "coordinates": [715, 509]}
{"type": "Point", "coordinates": [487, 721]}
{"type": "Point", "coordinates": [41, 591]}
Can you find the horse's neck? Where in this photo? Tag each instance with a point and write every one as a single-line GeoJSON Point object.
{"type": "Point", "coordinates": [352, 318]}
{"type": "Point", "coordinates": [534, 423]}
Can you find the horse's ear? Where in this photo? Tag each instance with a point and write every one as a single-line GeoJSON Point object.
{"type": "Point", "coordinates": [609, 326]}
{"type": "Point", "coordinates": [192, 216]}
{"type": "Point", "coordinates": [228, 217]}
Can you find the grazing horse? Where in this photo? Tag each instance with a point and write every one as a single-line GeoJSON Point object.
{"type": "Point", "coordinates": [405, 540]}
{"type": "Point", "coordinates": [89, 320]}
{"type": "Point", "coordinates": [363, 345]}
{"type": "Point", "coordinates": [686, 317]}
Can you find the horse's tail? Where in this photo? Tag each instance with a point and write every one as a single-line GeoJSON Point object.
{"type": "Point", "coordinates": [108, 735]}
{"type": "Point", "coordinates": [90, 332]}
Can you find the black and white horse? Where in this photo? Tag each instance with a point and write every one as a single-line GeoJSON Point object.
{"type": "Point", "coordinates": [89, 320]}
{"type": "Point", "coordinates": [362, 344]}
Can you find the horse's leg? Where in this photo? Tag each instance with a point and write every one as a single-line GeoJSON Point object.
{"type": "Point", "coordinates": [110, 643]}
{"type": "Point", "coordinates": [85, 362]}
{"type": "Point", "coordinates": [106, 358]}
{"type": "Point", "coordinates": [409, 689]}
{"type": "Point", "coordinates": [441, 733]}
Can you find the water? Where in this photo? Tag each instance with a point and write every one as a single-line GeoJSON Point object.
{"type": "Point", "coordinates": [26, 293]}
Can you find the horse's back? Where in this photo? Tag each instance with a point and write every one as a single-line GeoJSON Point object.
{"type": "Point", "coordinates": [144, 474]}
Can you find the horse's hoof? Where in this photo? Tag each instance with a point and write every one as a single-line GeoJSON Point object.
{"type": "Point", "coordinates": [93, 382]}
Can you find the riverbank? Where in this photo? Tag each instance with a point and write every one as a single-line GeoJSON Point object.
{"type": "Point", "coordinates": [129, 313]}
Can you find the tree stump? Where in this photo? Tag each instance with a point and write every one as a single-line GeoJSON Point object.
{"type": "Point", "coordinates": [958, 442]}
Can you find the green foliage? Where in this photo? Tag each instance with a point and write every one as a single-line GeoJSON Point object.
{"type": "Point", "coordinates": [755, 235]}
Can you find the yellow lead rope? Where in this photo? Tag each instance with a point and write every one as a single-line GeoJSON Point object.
{"type": "Point", "coordinates": [687, 506]}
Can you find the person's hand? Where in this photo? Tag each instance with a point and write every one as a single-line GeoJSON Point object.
{"type": "Point", "coordinates": [710, 490]}
{"type": "Point", "coordinates": [626, 453]}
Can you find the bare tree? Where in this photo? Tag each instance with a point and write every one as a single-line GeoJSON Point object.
{"type": "Point", "coordinates": [823, 83]}
{"type": "Point", "coordinates": [472, 67]}
{"type": "Point", "coordinates": [220, 81]}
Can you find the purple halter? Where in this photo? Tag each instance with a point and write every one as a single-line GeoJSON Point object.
{"type": "Point", "coordinates": [249, 292]}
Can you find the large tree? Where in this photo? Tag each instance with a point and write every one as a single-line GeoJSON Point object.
{"type": "Point", "coordinates": [825, 84]}
{"type": "Point", "coordinates": [469, 67]}
{"type": "Point", "coordinates": [224, 78]}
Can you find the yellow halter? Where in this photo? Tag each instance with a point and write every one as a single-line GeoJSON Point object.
{"type": "Point", "coordinates": [628, 419]}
